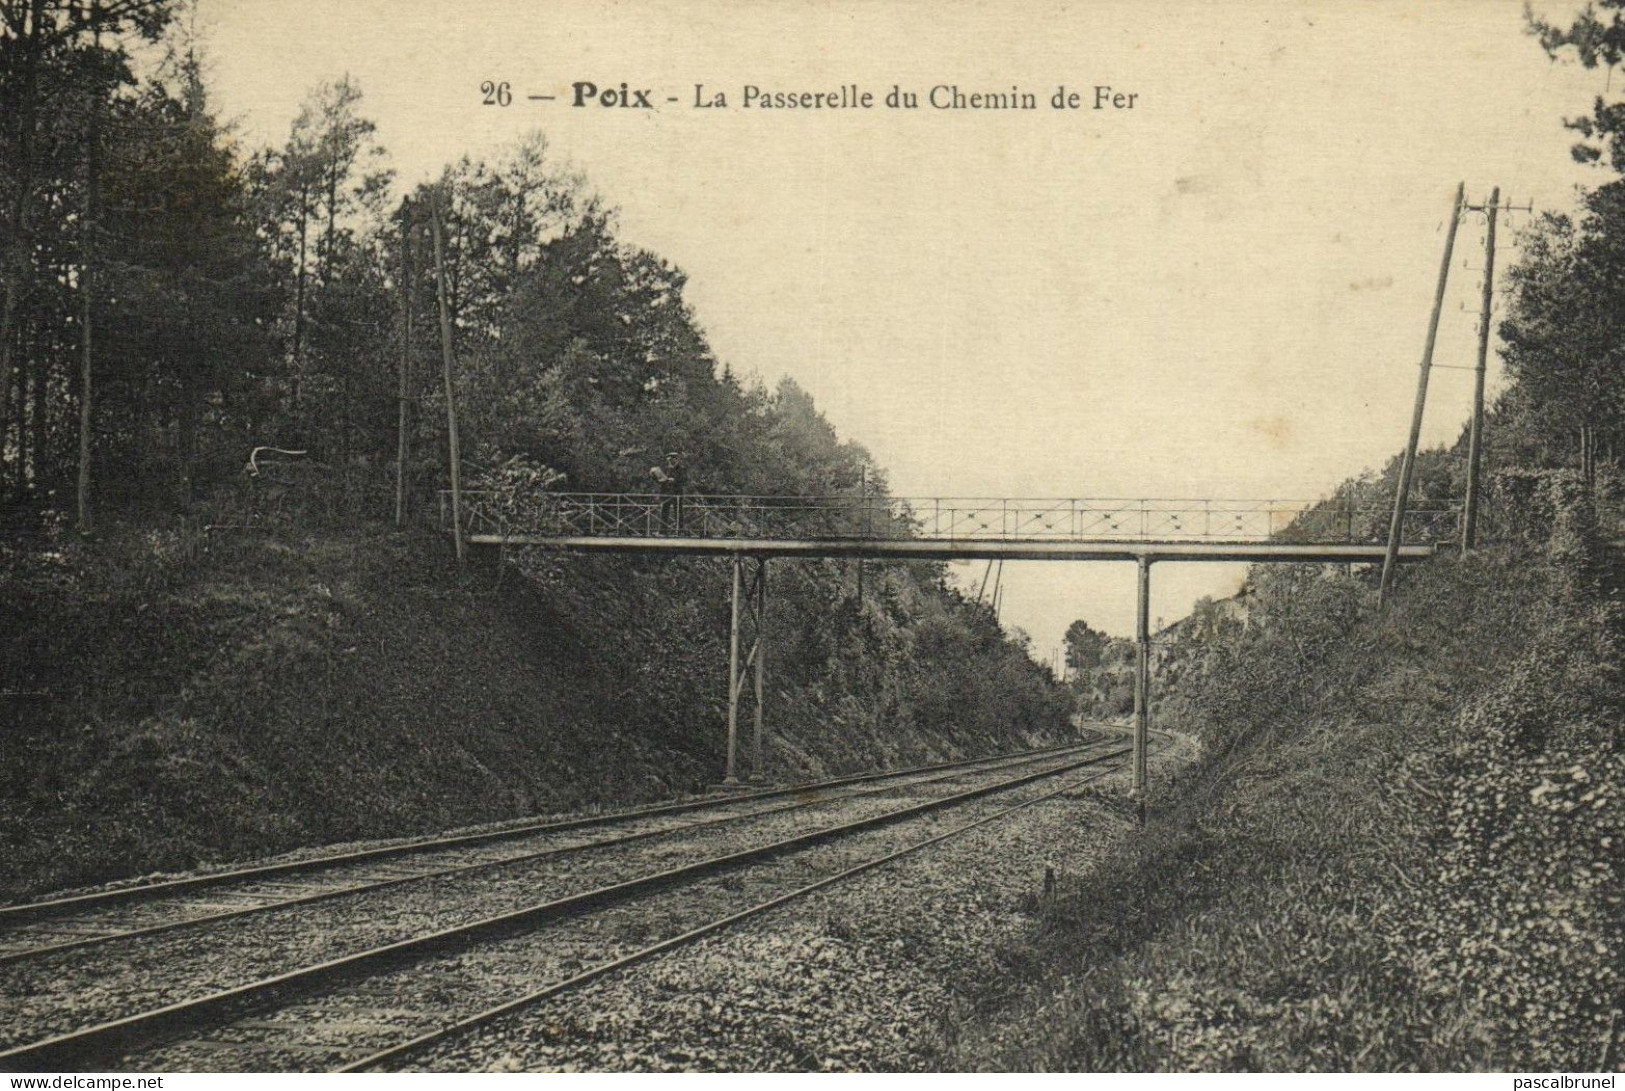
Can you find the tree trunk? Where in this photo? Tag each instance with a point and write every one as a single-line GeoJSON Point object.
{"type": "Point", "coordinates": [11, 475]}
{"type": "Point", "coordinates": [40, 414]}
{"type": "Point", "coordinates": [27, 438]}
{"type": "Point", "coordinates": [11, 375]}
{"type": "Point", "coordinates": [19, 422]}
{"type": "Point", "coordinates": [346, 394]}
{"type": "Point", "coordinates": [457, 245]}
{"type": "Point", "coordinates": [186, 443]}
{"type": "Point", "coordinates": [299, 296]}
{"type": "Point", "coordinates": [454, 449]}
{"type": "Point", "coordinates": [332, 218]}
{"type": "Point", "coordinates": [16, 263]}
{"type": "Point", "coordinates": [82, 489]}
{"type": "Point", "coordinates": [516, 242]}
{"type": "Point", "coordinates": [402, 442]}
{"type": "Point", "coordinates": [86, 294]}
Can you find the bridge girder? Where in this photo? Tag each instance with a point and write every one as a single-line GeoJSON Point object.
{"type": "Point", "coordinates": [971, 549]}
{"type": "Point", "coordinates": [749, 603]}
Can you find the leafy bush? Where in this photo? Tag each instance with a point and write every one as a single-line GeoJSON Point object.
{"type": "Point", "coordinates": [1524, 910]}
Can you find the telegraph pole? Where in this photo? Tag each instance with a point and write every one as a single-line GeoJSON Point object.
{"type": "Point", "coordinates": [446, 365]}
{"type": "Point", "coordinates": [1396, 527]}
{"type": "Point", "coordinates": [1475, 435]}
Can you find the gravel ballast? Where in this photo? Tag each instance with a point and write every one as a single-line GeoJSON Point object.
{"type": "Point", "coordinates": [59, 992]}
{"type": "Point", "coordinates": [870, 975]}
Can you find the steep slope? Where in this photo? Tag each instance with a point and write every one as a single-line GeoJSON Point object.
{"type": "Point", "coordinates": [1402, 849]}
{"type": "Point", "coordinates": [171, 700]}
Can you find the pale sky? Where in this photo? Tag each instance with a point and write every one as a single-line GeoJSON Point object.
{"type": "Point", "coordinates": [1222, 291]}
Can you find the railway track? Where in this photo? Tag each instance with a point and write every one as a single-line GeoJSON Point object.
{"type": "Point", "coordinates": [361, 1007]}
{"type": "Point", "coordinates": [351, 1009]}
{"type": "Point", "coordinates": [51, 908]}
{"type": "Point", "coordinates": [448, 1036]}
{"type": "Point", "coordinates": [30, 930]}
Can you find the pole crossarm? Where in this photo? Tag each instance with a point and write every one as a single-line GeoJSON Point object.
{"type": "Point", "coordinates": [1045, 528]}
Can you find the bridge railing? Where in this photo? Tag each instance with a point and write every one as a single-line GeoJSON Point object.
{"type": "Point", "coordinates": [654, 515]}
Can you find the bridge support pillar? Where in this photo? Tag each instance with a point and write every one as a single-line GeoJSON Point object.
{"type": "Point", "coordinates": [1142, 673]}
{"type": "Point", "coordinates": [759, 650]}
{"type": "Point", "coordinates": [729, 776]}
{"type": "Point", "coordinates": [749, 606]}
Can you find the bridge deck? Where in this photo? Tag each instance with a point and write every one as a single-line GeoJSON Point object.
{"type": "Point", "coordinates": [941, 528]}
{"type": "Point", "coordinates": [968, 549]}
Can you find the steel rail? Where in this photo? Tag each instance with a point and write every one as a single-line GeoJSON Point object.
{"type": "Point", "coordinates": [107, 1042]}
{"type": "Point", "coordinates": [369, 886]}
{"type": "Point", "coordinates": [593, 973]}
{"type": "Point", "coordinates": [30, 911]}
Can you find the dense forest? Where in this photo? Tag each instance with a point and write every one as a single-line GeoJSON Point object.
{"type": "Point", "coordinates": [194, 653]}
{"type": "Point", "coordinates": [171, 302]}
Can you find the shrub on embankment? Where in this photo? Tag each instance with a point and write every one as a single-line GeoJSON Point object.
{"type": "Point", "coordinates": [1402, 848]}
{"type": "Point", "coordinates": [165, 704]}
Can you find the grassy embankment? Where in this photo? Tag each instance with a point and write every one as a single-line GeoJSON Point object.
{"type": "Point", "coordinates": [166, 707]}
{"type": "Point", "coordinates": [1404, 847]}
